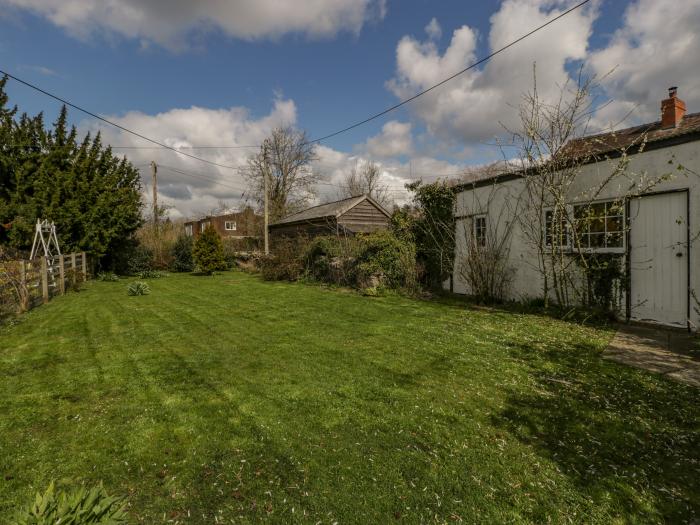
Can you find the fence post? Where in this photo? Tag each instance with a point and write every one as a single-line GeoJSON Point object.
{"type": "Point", "coordinates": [23, 290]}
{"type": "Point", "coordinates": [84, 259]}
{"type": "Point", "coordinates": [44, 280]}
{"type": "Point", "coordinates": [61, 275]}
{"type": "Point", "coordinates": [74, 270]}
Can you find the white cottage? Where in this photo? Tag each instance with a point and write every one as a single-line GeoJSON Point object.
{"type": "Point", "coordinates": [655, 233]}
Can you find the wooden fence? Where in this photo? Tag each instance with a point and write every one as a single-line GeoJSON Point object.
{"type": "Point", "coordinates": [27, 284]}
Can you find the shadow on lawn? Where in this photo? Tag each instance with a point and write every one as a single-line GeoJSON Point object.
{"type": "Point", "coordinates": [627, 438]}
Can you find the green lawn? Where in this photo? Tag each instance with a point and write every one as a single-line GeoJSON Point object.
{"type": "Point", "coordinates": [228, 398]}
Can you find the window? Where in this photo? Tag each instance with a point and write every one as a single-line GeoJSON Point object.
{"type": "Point", "coordinates": [230, 225]}
{"type": "Point", "coordinates": [479, 224]}
{"type": "Point", "coordinates": [203, 226]}
{"type": "Point", "coordinates": [600, 225]}
{"type": "Point", "coordinates": [188, 230]}
{"type": "Point", "coordinates": [555, 229]}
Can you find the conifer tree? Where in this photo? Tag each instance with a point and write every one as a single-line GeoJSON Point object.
{"type": "Point", "coordinates": [208, 252]}
{"type": "Point", "coordinates": [93, 197]}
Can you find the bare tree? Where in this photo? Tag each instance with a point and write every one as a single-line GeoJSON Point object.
{"type": "Point", "coordinates": [286, 156]}
{"type": "Point", "coordinates": [366, 179]}
{"type": "Point", "coordinates": [557, 211]}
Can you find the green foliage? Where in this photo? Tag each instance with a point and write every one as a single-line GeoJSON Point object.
{"type": "Point", "coordinates": [140, 259]}
{"type": "Point", "coordinates": [434, 229]}
{"type": "Point", "coordinates": [107, 277]}
{"type": "Point", "coordinates": [384, 259]}
{"type": "Point", "coordinates": [285, 263]}
{"type": "Point", "coordinates": [93, 196]}
{"type": "Point", "coordinates": [605, 280]}
{"type": "Point", "coordinates": [208, 252]}
{"type": "Point", "coordinates": [403, 223]}
{"type": "Point", "coordinates": [79, 506]}
{"type": "Point", "coordinates": [150, 274]}
{"type": "Point", "coordinates": [74, 280]}
{"type": "Point", "coordinates": [182, 254]}
{"type": "Point", "coordinates": [329, 258]}
{"type": "Point", "coordinates": [138, 288]}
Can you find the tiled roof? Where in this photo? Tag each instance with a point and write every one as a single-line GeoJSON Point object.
{"type": "Point", "coordinates": [604, 143]}
{"type": "Point", "coordinates": [330, 209]}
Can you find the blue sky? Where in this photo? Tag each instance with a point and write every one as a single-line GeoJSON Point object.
{"type": "Point", "coordinates": [332, 74]}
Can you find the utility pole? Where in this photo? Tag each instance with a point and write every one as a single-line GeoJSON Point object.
{"type": "Point", "coordinates": [154, 176]}
{"type": "Point", "coordinates": [266, 185]}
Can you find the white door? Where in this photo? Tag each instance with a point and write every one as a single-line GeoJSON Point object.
{"type": "Point", "coordinates": [659, 259]}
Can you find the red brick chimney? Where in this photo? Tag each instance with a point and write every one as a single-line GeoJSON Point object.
{"type": "Point", "coordinates": [672, 109]}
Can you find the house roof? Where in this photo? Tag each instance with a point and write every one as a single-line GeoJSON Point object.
{"type": "Point", "coordinates": [331, 209]}
{"type": "Point", "coordinates": [604, 143]}
{"type": "Point", "coordinates": [595, 147]}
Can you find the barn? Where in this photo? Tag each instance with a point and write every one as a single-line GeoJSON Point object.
{"type": "Point", "coordinates": [359, 214]}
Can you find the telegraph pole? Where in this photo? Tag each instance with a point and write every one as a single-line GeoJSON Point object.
{"type": "Point", "coordinates": [154, 177]}
{"type": "Point", "coordinates": [266, 185]}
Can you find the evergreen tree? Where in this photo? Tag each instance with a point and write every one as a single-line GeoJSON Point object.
{"type": "Point", "coordinates": [182, 254]}
{"type": "Point", "coordinates": [208, 252]}
{"type": "Point", "coordinates": [93, 197]}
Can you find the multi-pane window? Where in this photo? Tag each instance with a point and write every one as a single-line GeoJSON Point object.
{"type": "Point", "coordinates": [600, 225]}
{"type": "Point", "coordinates": [203, 226]}
{"type": "Point", "coordinates": [230, 225]}
{"type": "Point", "coordinates": [555, 228]}
{"type": "Point", "coordinates": [479, 222]}
{"type": "Point", "coordinates": [188, 230]}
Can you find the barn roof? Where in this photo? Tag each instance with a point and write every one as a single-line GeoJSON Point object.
{"type": "Point", "coordinates": [330, 209]}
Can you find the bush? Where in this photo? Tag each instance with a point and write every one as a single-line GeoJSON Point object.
{"type": "Point", "coordinates": [329, 259]}
{"type": "Point", "coordinates": [140, 260]}
{"type": "Point", "coordinates": [385, 260]}
{"type": "Point", "coordinates": [208, 252]}
{"type": "Point", "coordinates": [182, 254]}
{"type": "Point", "coordinates": [286, 262]}
{"type": "Point", "coordinates": [77, 506]}
{"type": "Point", "coordinates": [150, 274]}
{"type": "Point", "coordinates": [74, 280]}
{"type": "Point", "coordinates": [107, 277]}
{"type": "Point", "coordinates": [138, 288]}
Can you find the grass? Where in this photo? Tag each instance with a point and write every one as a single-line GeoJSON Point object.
{"type": "Point", "coordinates": [230, 400]}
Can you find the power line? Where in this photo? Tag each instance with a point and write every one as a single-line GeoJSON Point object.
{"type": "Point", "coordinates": [118, 126]}
{"type": "Point", "coordinates": [478, 62]}
{"type": "Point", "coordinates": [320, 139]}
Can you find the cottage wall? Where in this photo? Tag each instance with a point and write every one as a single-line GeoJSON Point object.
{"type": "Point", "coordinates": [506, 204]}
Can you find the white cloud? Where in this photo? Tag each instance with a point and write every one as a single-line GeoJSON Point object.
{"type": "Point", "coordinates": [202, 186]}
{"type": "Point", "coordinates": [433, 29]}
{"type": "Point", "coordinates": [658, 46]}
{"type": "Point", "coordinates": [42, 70]}
{"type": "Point", "coordinates": [395, 139]}
{"type": "Point", "coordinates": [472, 107]}
{"type": "Point", "coordinates": [170, 22]}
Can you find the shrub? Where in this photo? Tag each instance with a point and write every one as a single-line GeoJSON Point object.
{"type": "Point", "coordinates": [182, 254]}
{"type": "Point", "coordinates": [107, 277]}
{"type": "Point", "coordinates": [74, 280]}
{"type": "Point", "coordinates": [138, 288]}
{"type": "Point", "coordinates": [286, 262]}
{"type": "Point", "coordinates": [76, 506]}
{"type": "Point", "coordinates": [208, 252]}
{"type": "Point", "coordinates": [385, 260]}
{"type": "Point", "coordinates": [329, 258]}
{"type": "Point", "coordinates": [141, 259]}
{"type": "Point", "coordinates": [150, 274]}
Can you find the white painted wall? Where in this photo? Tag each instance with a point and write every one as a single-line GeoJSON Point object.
{"type": "Point", "coordinates": [523, 258]}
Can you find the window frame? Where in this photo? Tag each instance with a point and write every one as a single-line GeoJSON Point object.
{"type": "Point", "coordinates": [188, 230]}
{"type": "Point", "coordinates": [226, 226]}
{"type": "Point", "coordinates": [203, 226]}
{"type": "Point", "coordinates": [605, 218]}
{"type": "Point", "coordinates": [571, 212]}
{"type": "Point", "coordinates": [479, 233]}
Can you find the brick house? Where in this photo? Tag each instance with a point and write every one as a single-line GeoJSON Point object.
{"type": "Point", "coordinates": [240, 225]}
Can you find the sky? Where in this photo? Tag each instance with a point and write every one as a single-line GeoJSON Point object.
{"type": "Point", "coordinates": [224, 73]}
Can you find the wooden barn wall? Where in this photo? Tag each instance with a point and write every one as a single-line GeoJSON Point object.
{"type": "Point", "coordinates": [365, 217]}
